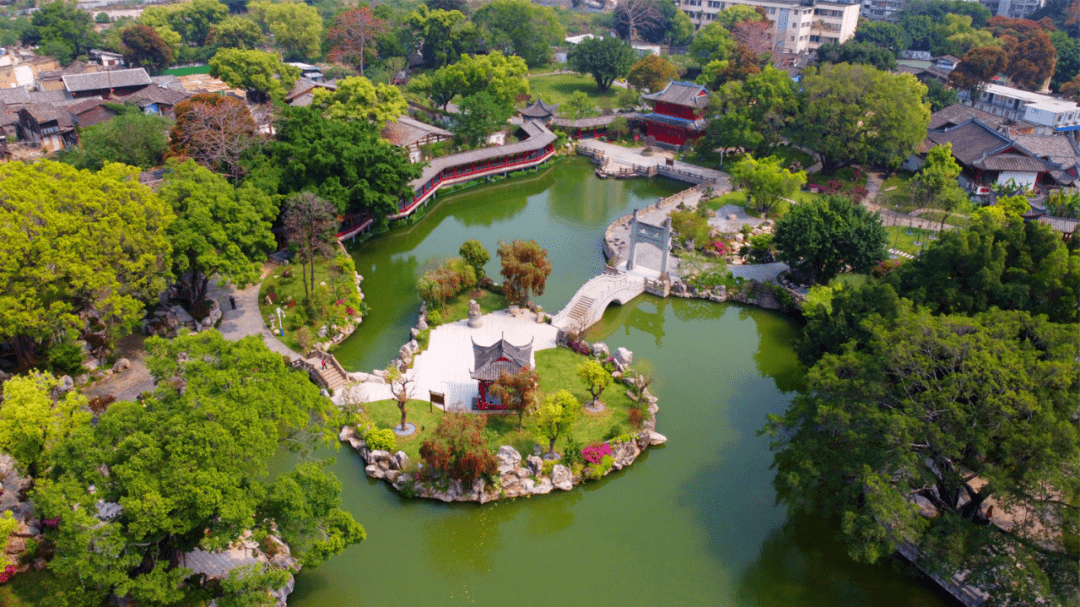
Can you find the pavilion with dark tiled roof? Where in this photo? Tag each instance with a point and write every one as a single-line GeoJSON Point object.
{"type": "Point", "coordinates": [492, 362]}
{"type": "Point", "coordinates": [539, 110]}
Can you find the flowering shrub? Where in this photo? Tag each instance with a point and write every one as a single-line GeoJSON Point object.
{"type": "Point", "coordinates": [7, 573]}
{"type": "Point", "coordinates": [594, 454]}
{"type": "Point", "coordinates": [601, 468]}
{"type": "Point", "coordinates": [720, 247]}
{"type": "Point", "coordinates": [580, 347]}
{"type": "Point", "coordinates": [459, 448]}
{"type": "Point", "coordinates": [52, 523]}
{"type": "Point", "coordinates": [858, 193]}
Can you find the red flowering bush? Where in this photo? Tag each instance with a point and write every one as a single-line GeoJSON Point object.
{"type": "Point", "coordinates": [595, 453]}
{"type": "Point", "coordinates": [459, 449]}
{"type": "Point", "coordinates": [580, 347]}
{"type": "Point", "coordinates": [7, 573]}
{"type": "Point", "coordinates": [720, 247]}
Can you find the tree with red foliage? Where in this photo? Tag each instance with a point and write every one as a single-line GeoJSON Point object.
{"type": "Point", "coordinates": [978, 66]}
{"type": "Point", "coordinates": [756, 36]}
{"type": "Point", "coordinates": [353, 36]}
{"type": "Point", "coordinates": [525, 268]}
{"type": "Point", "coordinates": [143, 46]}
{"type": "Point", "coordinates": [214, 131]}
{"type": "Point", "coordinates": [1032, 62]}
{"type": "Point", "coordinates": [519, 392]}
{"type": "Point", "coordinates": [459, 448]}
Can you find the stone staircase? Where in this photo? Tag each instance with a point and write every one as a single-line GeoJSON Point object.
{"type": "Point", "coordinates": [588, 304]}
{"type": "Point", "coordinates": [580, 310]}
{"type": "Point", "coordinates": [332, 378]}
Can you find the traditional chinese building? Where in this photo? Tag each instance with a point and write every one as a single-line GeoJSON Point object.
{"type": "Point", "coordinates": [538, 110]}
{"type": "Point", "coordinates": [676, 116]}
{"type": "Point", "coordinates": [489, 364]}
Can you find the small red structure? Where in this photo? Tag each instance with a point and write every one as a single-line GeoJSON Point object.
{"type": "Point", "coordinates": [676, 116]}
{"type": "Point", "coordinates": [489, 364]}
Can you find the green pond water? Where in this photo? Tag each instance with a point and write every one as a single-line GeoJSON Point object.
{"type": "Point", "coordinates": [690, 523]}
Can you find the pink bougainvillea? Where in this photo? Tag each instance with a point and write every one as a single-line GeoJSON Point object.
{"type": "Point", "coordinates": [594, 453]}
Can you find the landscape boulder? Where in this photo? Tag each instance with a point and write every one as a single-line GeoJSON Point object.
{"type": "Point", "coordinates": [600, 350]}
{"type": "Point", "coordinates": [623, 358]}
{"type": "Point", "coordinates": [508, 459]}
{"type": "Point", "coordinates": [561, 477]}
{"type": "Point", "coordinates": [121, 365]}
{"type": "Point", "coordinates": [536, 465]}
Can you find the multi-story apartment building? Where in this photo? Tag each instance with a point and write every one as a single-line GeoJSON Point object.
{"type": "Point", "coordinates": [882, 10]}
{"type": "Point", "coordinates": [799, 26]}
{"type": "Point", "coordinates": [1041, 110]}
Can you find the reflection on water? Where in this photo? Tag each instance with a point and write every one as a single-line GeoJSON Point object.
{"type": "Point", "coordinates": [690, 523]}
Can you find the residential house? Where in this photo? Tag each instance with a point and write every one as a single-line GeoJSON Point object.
{"type": "Point", "coordinates": [303, 92]}
{"type": "Point", "coordinates": [798, 26]}
{"type": "Point", "coordinates": [88, 112]}
{"type": "Point", "coordinates": [106, 83]}
{"type": "Point", "coordinates": [676, 116]}
{"type": "Point", "coordinates": [156, 99]}
{"type": "Point", "coordinates": [412, 135]}
{"type": "Point", "coordinates": [52, 80]}
{"type": "Point", "coordinates": [1050, 113]}
{"type": "Point", "coordinates": [52, 128]}
{"type": "Point", "coordinates": [958, 113]}
{"type": "Point", "coordinates": [988, 157]}
{"type": "Point", "coordinates": [107, 59]}
{"type": "Point", "coordinates": [309, 72]}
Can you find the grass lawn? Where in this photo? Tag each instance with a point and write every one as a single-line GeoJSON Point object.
{"type": "Point", "coordinates": [558, 88]}
{"type": "Point", "coordinates": [28, 589]}
{"type": "Point", "coordinates": [789, 154]}
{"type": "Point", "coordinates": [954, 219]}
{"type": "Point", "coordinates": [286, 281]}
{"type": "Point", "coordinates": [738, 198]}
{"type": "Point", "coordinates": [187, 71]}
{"type": "Point", "coordinates": [849, 280]}
{"type": "Point", "coordinates": [458, 308]}
{"type": "Point", "coordinates": [899, 238]}
{"type": "Point", "coordinates": [557, 370]}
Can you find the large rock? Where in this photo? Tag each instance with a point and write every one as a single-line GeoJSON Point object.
{"type": "Point", "coordinates": [508, 459]}
{"type": "Point", "coordinates": [359, 376]}
{"type": "Point", "coordinates": [374, 471]}
{"type": "Point", "coordinates": [655, 438]}
{"type": "Point", "coordinates": [121, 365]}
{"type": "Point", "coordinates": [378, 455]}
{"type": "Point", "coordinates": [600, 350]}
{"type": "Point", "coordinates": [66, 383]}
{"type": "Point", "coordinates": [535, 464]}
{"type": "Point", "coordinates": [561, 477]}
{"type": "Point", "coordinates": [399, 461]}
{"type": "Point", "coordinates": [544, 486]}
{"type": "Point", "coordinates": [625, 454]}
{"type": "Point", "coordinates": [623, 358]}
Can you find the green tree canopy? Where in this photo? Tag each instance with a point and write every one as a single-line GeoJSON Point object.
{"type": "Point", "coordinates": [347, 163]}
{"type": "Point", "coordinates": [446, 34]}
{"type": "Point", "coordinates": [855, 113]}
{"type": "Point", "coordinates": [819, 238]}
{"type": "Point", "coordinates": [503, 78]}
{"type": "Point", "coordinates": [605, 59]}
{"type": "Point", "coordinates": [853, 51]}
{"type": "Point", "coordinates": [77, 242]}
{"type": "Point", "coordinates": [556, 417]}
{"type": "Point", "coordinates": [62, 30]}
{"type": "Point", "coordinates": [235, 32]}
{"type": "Point", "coordinates": [188, 467]}
{"type": "Point", "coordinates": [1011, 265]}
{"type": "Point", "coordinates": [940, 414]}
{"type": "Point", "coordinates": [262, 75]}
{"type": "Point", "coordinates": [192, 20]}
{"type": "Point", "coordinates": [935, 185]}
{"type": "Point", "coordinates": [885, 34]}
{"type": "Point", "coordinates": [766, 182]}
{"type": "Point", "coordinates": [219, 232]}
{"type": "Point", "coordinates": [712, 43]}
{"type": "Point", "coordinates": [32, 422]}
{"type": "Point", "coordinates": [356, 98]}
{"type": "Point", "coordinates": [481, 115]}
{"type": "Point", "coordinates": [132, 138]}
{"type": "Point", "coordinates": [474, 254]}
{"type": "Point", "coordinates": [752, 114]}
{"type": "Point", "coordinates": [297, 28]}
{"type": "Point", "coordinates": [519, 27]}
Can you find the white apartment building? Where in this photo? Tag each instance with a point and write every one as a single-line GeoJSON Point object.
{"type": "Point", "coordinates": [799, 26]}
{"type": "Point", "coordinates": [887, 10]}
{"type": "Point", "coordinates": [1044, 110]}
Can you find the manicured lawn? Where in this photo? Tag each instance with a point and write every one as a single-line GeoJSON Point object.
{"type": "Point", "coordinates": [28, 589]}
{"type": "Point", "coordinates": [286, 281]}
{"type": "Point", "coordinates": [737, 198]}
{"type": "Point", "coordinates": [789, 154]}
{"type": "Point", "coordinates": [557, 369]}
{"type": "Point", "coordinates": [458, 308]}
{"type": "Point", "coordinates": [187, 71]}
{"type": "Point", "coordinates": [558, 88]}
{"type": "Point", "coordinates": [953, 219]}
{"type": "Point", "coordinates": [847, 176]}
{"type": "Point", "coordinates": [850, 280]}
{"type": "Point", "coordinates": [899, 238]}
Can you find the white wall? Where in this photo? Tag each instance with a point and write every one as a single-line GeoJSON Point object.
{"type": "Point", "coordinates": [1027, 180]}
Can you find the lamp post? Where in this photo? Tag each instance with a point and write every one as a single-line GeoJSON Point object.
{"type": "Point", "coordinates": [280, 323]}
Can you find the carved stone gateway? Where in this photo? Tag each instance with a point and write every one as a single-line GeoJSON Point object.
{"type": "Point", "coordinates": [658, 236]}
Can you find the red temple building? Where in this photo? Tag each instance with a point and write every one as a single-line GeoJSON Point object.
{"type": "Point", "coordinates": [490, 362]}
{"type": "Point", "coordinates": [676, 116]}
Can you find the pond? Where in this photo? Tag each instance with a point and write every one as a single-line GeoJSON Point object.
{"type": "Point", "coordinates": [690, 523]}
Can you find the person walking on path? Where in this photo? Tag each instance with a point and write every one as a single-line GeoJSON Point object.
{"type": "Point", "coordinates": [324, 364]}
{"type": "Point", "coordinates": [232, 301]}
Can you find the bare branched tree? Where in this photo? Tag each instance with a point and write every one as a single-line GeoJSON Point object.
{"type": "Point", "coordinates": [636, 15]}
{"type": "Point", "coordinates": [214, 131]}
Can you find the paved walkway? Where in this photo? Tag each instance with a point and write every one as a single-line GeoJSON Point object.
{"type": "Point", "coordinates": [628, 157]}
{"type": "Point", "coordinates": [445, 365]}
{"type": "Point", "coordinates": [722, 222]}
